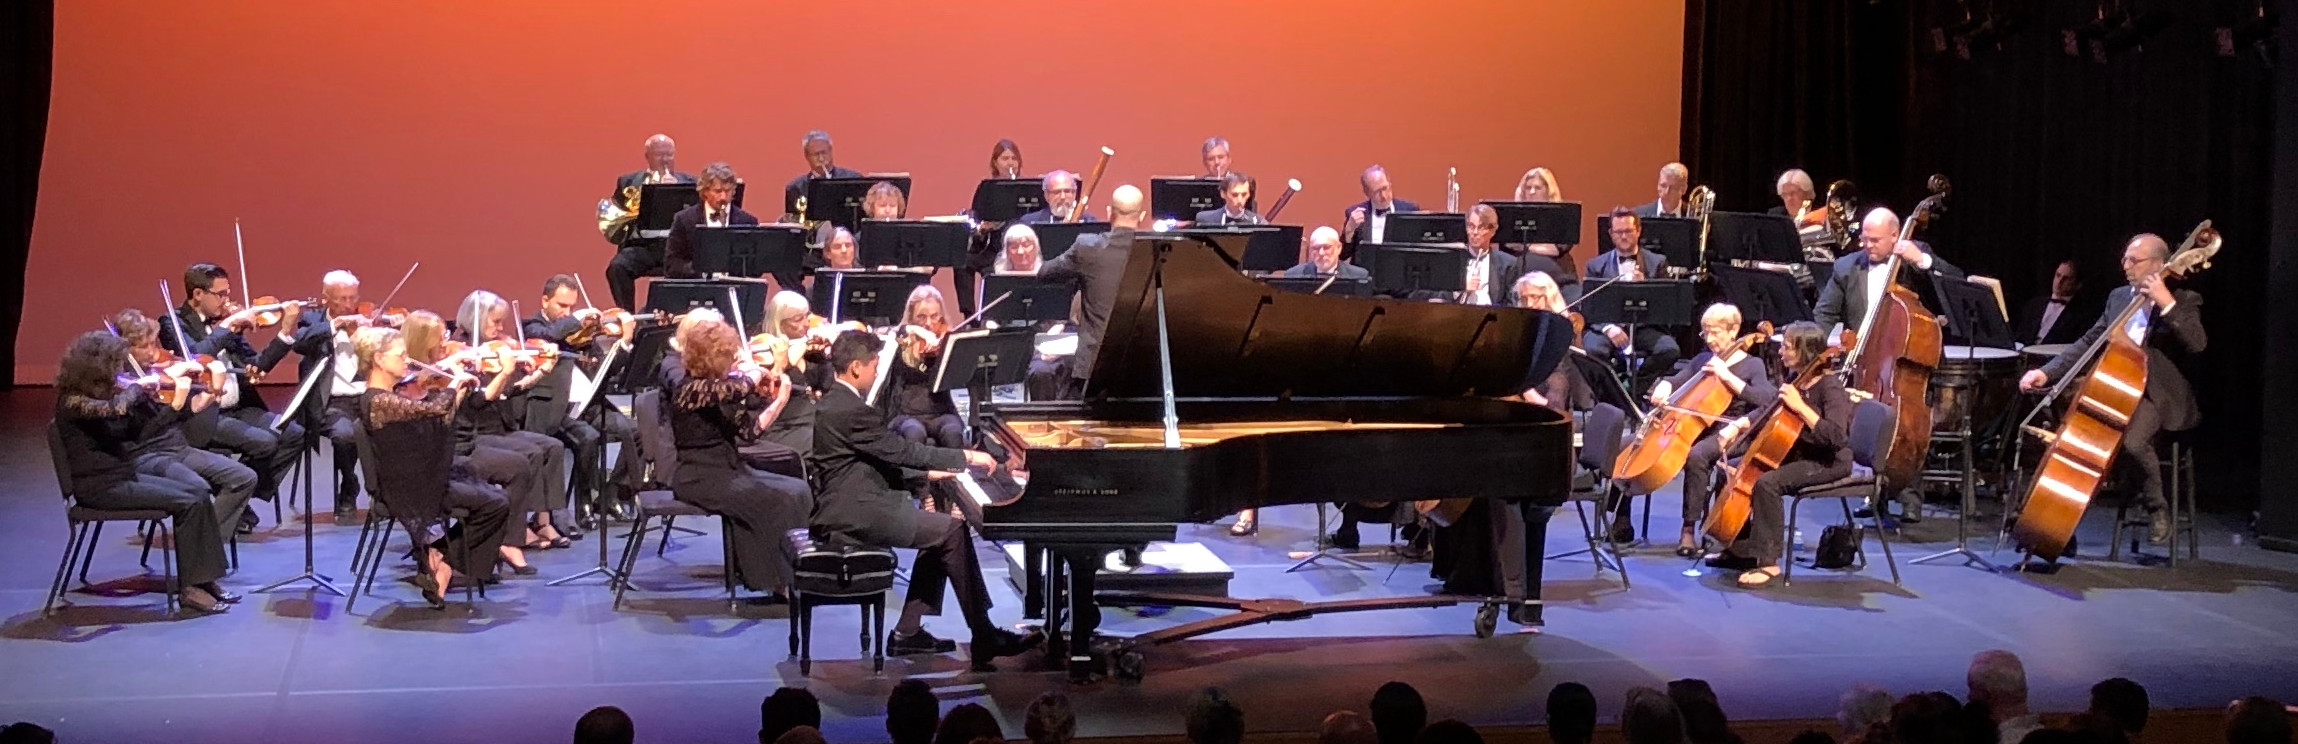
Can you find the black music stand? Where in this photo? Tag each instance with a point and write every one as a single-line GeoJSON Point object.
{"type": "Point", "coordinates": [659, 202]}
{"type": "Point", "coordinates": [1667, 303]}
{"type": "Point", "coordinates": [1028, 299]}
{"type": "Point", "coordinates": [1674, 238]}
{"type": "Point", "coordinates": [1401, 270]}
{"type": "Point", "coordinates": [1425, 227]}
{"type": "Point", "coordinates": [1267, 247]}
{"type": "Point", "coordinates": [982, 359]}
{"type": "Point", "coordinates": [1055, 238]}
{"type": "Point", "coordinates": [1313, 285]}
{"type": "Point", "coordinates": [1537, 222]}
{"type": "Point", "coordinates": [647, 348]}
{"type": "Point", "coordinates": [838, 201]}
{"type": "Point", "coordinates": [680, 295]}
{"type": "Point", "coordinates": [752, 251]}
{"type": "Point", "coordinates": [912, 243]}
{"type": "Point", "coordinates": [1750, 236]}
{"type": "Point", "coordinates": [1970, 313]}
{"type": "Point", "coordinates": [873, 297]}
{"type": "Point", "coordinates": [1007, 199]}
{"type": "Point", "coordinates": [1761, 294]}
{"type": "Point", "coordinates": [1182, 197]}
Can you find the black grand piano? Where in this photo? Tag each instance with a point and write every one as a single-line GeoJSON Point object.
{"type": "Point", "coordinates": [1213, 393]}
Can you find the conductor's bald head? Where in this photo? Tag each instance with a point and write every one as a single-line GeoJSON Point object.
{"type": "Point", "coordinates": [1126, 208]}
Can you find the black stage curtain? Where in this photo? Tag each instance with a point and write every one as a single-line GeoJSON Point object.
{"type": "Point", "coordinates": [2278, 506]}
{"type": "Point", "coordinates": [2052, 156]}
{"type": "Point", "coordinates": [27, 42]}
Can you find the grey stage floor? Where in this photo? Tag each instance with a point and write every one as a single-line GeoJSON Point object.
{"type": "Point", "coordinates": [297, 666]}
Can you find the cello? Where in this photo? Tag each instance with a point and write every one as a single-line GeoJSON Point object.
{"type": "Point", "coordinates": [2083, 449]}
{"type": "Point", "coordinates": [1771, 439]}
{"type": "Point", "coordinates": [1898, 348]}
{"type": "Point", "coordinates": [1665, 440]}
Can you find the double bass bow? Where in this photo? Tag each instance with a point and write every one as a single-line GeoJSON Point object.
{"type": "Point", "coordinates": [2082, 451]}
{"type": "Point", "coordinates": [1770, 440]}
{"type": "Point", "coordinates": [1897, 349]}
{"type": "Point", "coordinates": [1665, 440]}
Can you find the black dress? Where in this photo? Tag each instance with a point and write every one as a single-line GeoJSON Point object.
{"type": "Point", "coordinates": [100, 438]}
{"type": "Point", "coordinates": [530, 467]}
{"type": "Point", "coordinates": [422, 478]}
{"type": "Point", "coordinates": [709, 420]}
{"type": "Point", "coordinates": [920, 414]}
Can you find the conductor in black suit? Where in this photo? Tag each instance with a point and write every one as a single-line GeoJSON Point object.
{"type": "Point", "coordinates": [818, 165]}
{"type": "Point", "coordinates": [1367, 221]}
{"type": "Point", "coordinates": [1627, 261]}
{"type": "Point", "coordinates": [1856, 284]}
{"type": "Point", "coordinates": [1060, 198]}
{"type": "Point", "coordinates": [859, 464]}
{"type": "Point", "coordinates": [2172, 328]}
{"type": "Point", "coordinates": [1094, 266]}
{"type": "Point", "coordinates": [1236, 194]}
{"type": "Point", "coordinates": [635, 256]}
{"type": "Point", "coordinates": [715, 210]}
{"type": "Point", "coordinates": [2058, 317]}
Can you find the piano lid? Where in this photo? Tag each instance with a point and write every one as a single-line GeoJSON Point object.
{"type": "Point", "coordinates": [1233, 337]}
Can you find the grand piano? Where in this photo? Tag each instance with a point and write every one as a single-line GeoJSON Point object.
{"type": "Point", "coordinates": [1213, 393]}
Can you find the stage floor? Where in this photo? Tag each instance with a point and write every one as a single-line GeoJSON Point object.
{"type": "Point", "coordinates": [296, 666]}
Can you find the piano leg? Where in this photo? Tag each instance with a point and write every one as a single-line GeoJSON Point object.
{"type": "Point", "coordinates": [1032, 582]}
{"type": "Point", "coordinates": [1072, 578]}
{"type": "Point", "coordinates": [1535, 540]}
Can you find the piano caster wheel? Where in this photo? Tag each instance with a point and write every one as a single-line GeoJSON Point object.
{"type": "Point", "coordinates": [1130, 666]}
{"type": "Point", "coordinates": [1487, 620]}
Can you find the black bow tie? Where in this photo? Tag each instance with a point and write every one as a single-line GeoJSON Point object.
{"type": "Point", "coordinates": [1381, 212]}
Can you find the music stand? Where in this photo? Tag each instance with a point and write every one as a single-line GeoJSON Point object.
{"type": "Point", "coordinates": [1055, 238]}
{"type": "Point", "coordinates": [1182, 197]}
{"type": "Point", "coordinates": [1425, 227]}
{"type": "Point", "coordinates": [1673, 238]}
{"type": "Point", "coordinates": [1971, 314]}
{"type": "Point", "coordinates": [983, 359]}
{"type": "Point", "coordinates": [1525, 223]}
{"type": "Point", "coordinates": [680, 295]}
{"type": "Point", "coordinates": [1028, 299]}
{"type": "Point", "coordinates": [1761, 295]}
{"type": "Point", "coordinates": [1267, 247]}
{"type": "Point", "coordinates": [1749, 236]}
{"type": "Point", "coordinates": [1667, 303]}
{"type": "Point", "coordinates": [1311, 285]}
{"type": "Point", "coordinates": [838, 201]}
{"type": "Point", "coordinates": [751, 251]}
{"type": "Point", "coordinates": [1400, 270]}
{"type": "Point", "coordinates": [873, 297]}
{"type": "Point", "coordinates": [647, 348]}
{"type": "Point", "coordinates": [1007, 199]}
{"type": "Point", "coordinates": [912, 243]}
{"type": "Point", "coordinates": [659, 202]}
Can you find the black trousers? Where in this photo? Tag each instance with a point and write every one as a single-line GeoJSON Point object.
{"type": "Point", "coordinates": [525, 464]}
{"type": "Point", "coordinates": [246, 432]}
{"type": "Point", "coordinates": [340, 424]}
{"type": "Point", "coordinates": [2138, 453]}
{"type": "Point", "coordinates": [947, 563]}
{"type": "Point", "coordinates": [184, 496]}
{"type": "Point", "coordinates": [228, 481]}
{"type": "Point", "coordinates": [480, 538]}
{"type": "Point", "coordinates": [633, 260]}
{"type": "Point", "coordinates": [1659, 349]}
{"type": "Point", "coordinates": [1484, 555]}
{"type": "Point", "coordinates": [1767, 516]}
{"type": "Point", "coordinates": [585, 442]}
{"type": "Point", "coordinates": [758, 507]}
{"type": "Point", "coordinates": [1049, 379]}
{"type": "Point", "coordinates": [940, 430]}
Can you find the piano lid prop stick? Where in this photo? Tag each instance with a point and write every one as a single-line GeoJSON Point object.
{"type": "Point", "coordinates": [1165, 370]}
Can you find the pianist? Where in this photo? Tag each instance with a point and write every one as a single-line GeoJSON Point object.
{"type": "Point", "coordinates": [860, 464]}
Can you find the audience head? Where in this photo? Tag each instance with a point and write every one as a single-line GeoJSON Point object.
{"type": "Point", "coordinates": [801, 735]}
{"type": "Point", "coordinates": [912, 713]}
{"type": "Point", "coordinates": [1650, 717]}
{"type": "Point", "coordinates": [966, 723]}
{"type": "Point", "coordinates": [661, 152]}
{"type": "Point", "coordinates": [1398, 713]}
{"type": "Point", "coordinates": [1704, 720]}
{"type": "Point", "coordinates": [1449, 731]}
{"type": "Point", "coordinates": [25, 732]}
{"type": "Point", "coordinates": [1812, 737]}
{"type": "Point", "coordinates": [789, 707]}
{"type": "Point", "coordinates": [1571, 714]}
{"type": "Point", "coordinates": [2093, 728]}
{"type": "Point", "coordinates": [2257, 720]}
{"type": "Point", "coordinates": [1862, 707]}
{"type": "Point", "coordinates": [1214, 718]}
{"type": "Point", "coordinates": [1347, 727]}
{"type": "Point", "coordinates": [1004, 159]}
{"type": "Point", "coordinates": [605, 724]}
{"type": "Point", "coordinates": [1998, 680]}
{"type": "Point", "coordinates": [2121, 701]}
{"type": "Point", "coordinates": [1049, 720]}
{"type": "Point", "coordinates": [1927, 718]}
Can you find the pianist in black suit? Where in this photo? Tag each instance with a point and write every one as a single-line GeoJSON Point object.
{"type": "Point", "coordinates": [715, 210]}
{"type": "Point", "coordinates": [1060, 199]}
{"type": "Point", "coordinates": [636, 257]}
{"type": "Point", "coordinates": [1094, 266]}
{"type": "Point", "coordinates": [1367, 221]}
{"type": "Point", "coordinates": [818, 165]}
{"type": "Point", "coordinates": [861, 467]}
{"type": "Point", "coordinates": [1324, 259]}
{"type": "Point", "coordinates": [1856, 283]}
{"type": "Point", "coordinates": [1236, 191]}
{"type": "Point", "coordinates": [2058, 317]}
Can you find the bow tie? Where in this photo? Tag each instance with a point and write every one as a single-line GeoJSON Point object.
{"type": "Point", "coordinates": [1381, 212]}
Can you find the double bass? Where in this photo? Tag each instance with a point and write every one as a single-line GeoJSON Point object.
{"type": "Point", "coordinates": [2083, 449]}
{"type": "Point", "coordinates": [1667, 436]}
{"type": "Point", "coordinates": [1898, 348]}
{"type": "Point", "coordinates": [1770, 440]}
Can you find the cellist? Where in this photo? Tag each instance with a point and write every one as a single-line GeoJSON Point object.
{"type": "Point", "coordinates": [1822, 453]}
{"type": "Point", "coordinates": [2168, 403]}
{"type": "Point", "coordinates": [1741, 373]}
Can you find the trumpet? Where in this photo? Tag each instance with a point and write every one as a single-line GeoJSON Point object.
{"type": "Point", "coordinates": [615, 215]}
{"type": "Point", "coordinates": [1292, 186]}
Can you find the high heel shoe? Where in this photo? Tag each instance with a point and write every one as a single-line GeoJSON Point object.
{"type": "Point", "coordinates": [1688, 546]}
{"type": "Point", "coordinates": [1245, 528]}
{"type": "Point", "coordinates": [431, 593]}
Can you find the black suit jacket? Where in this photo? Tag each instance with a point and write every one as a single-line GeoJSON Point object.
{"type": "Point", "coordinates": [1346, 270]}
{"type": "Point", "coordinates": [859, 465]}
{"type": "Point", "coordinates": [229, 346]}
{"type": "Point", "coordinates": [2170, 337]}
{"type": "Point", "coordinates": [1844, 299]}
{"type": "Point", "coordinates": [2076, 316]}
{"type": "Point", "coordinates": [1363, 232]}
{"type": "Point", "coordinates": [1500, 282]}
{"type": "Point", "coordinates": [797, 186]}
{"type": "Point", "coordinates": [678, 251]}
{"type": "Point", "coordinates": [1045, 215]}
{"type": "Point", "coordinates": [1094, 267]}
{"type": "Point", "coordinates": [1567, 282]}
{"type": "Point", "coordinates": [1606, 267]}
{"type": "Point", "coordinates": [1652, 209]}
{"type": "Point", "coordinates": [1215, 218]}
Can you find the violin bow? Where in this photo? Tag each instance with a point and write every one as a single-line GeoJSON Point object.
{"type": "Point", "coordinates": [394, 290]}
{"type": "Point", "coordinates": [175, 321]}
{"type": "Point", "coordinates": [240, 243]}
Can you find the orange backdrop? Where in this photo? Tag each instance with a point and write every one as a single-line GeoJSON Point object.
{"type": "Point", "coordinates": [477, 138]}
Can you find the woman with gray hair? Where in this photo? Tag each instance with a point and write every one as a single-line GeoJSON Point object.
{"type": "Point", "coordinates": [498, 422]}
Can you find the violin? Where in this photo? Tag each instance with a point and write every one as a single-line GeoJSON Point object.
{"type": "Point", "coordinates": [1667, 436]}
{"type": "Point", "coordinates": [613, 321]}
{"type": "Point", "coordinates": [208, 378]}
{"type": "Point", "coordinates": [268, 310]}
{"type": "Point", "coordinates": [489, 358]}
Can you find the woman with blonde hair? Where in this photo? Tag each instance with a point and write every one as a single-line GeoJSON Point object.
{"type": "Point", "coordinates": [1564, 389]}
{"type": "Point", "coordinates": [408, 430]}
{"type": "Point", "coordinates": [919, 413]}
{"type": "Point", "coordinates": [1539, 185]}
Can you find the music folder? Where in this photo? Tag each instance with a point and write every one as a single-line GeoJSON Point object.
{"type": "Point", "coordinates": [912, 243]}
{"type": "Point", "coordinates": [838, 201]}
{"type": "Point", "coordinates": [1666, 303]}
{"type": "Point", "coordinates": [873, 297]}
{"type": "Point", "coordinates": [1007, 199]}
{"type": "Point", "coordinates": [1400, 270]}
{"type": "Point", "coordinates": [1055, 238]}
{"type": "Point", "coordinates": [1972, 314]}
{"type": "Point", "coordinates": [680, 295]}
{"type": "Point", "coordinates": [981, 359]}
{"type": "Point", "coordinates": [751, 251]}
{"type": "Point", "coordinates": [1523, 223]}
{"type": "Point", "coordinates": [1752, 236]}
{"type": "Point", "coordinates": [1028, 299]}
{"type": "Point", "coordinates": [1425, 228]}
{"type": "Point", "coordinates": [1182, 197]}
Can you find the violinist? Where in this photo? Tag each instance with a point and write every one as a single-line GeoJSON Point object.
{"type": "Point", "coordinates": [408, 428]}
{"type": "Point", "coordinates": [555, 320]}
{"type": "Point", "coordinates": [1858, 282]}
{"type": "Point", "coordinates": [718, 401]}
{"type": "Point", "coordinates": [2172, 330]}
{"type": "Point", "coordinates": [321, 336]}
{"type": "Point", "coordinates": [489, 425]}
{"type": "Point", "coordinates": [169, 445]}
{"type": "Point", "coordinates": [805, 366]}
{"type": "Point", "coordinates": [716, 209]}
{"type": "Point", "coordinates": [103, 418]}
{"type": "Point", "coordinates": [920, 414]}
{"type": "Point", "coordinates": [1822, 453]}
{"type": "Point", "coordinates": [1741, 373]}
{"type": "Point", "coordinates": [1018, 253]}
{"type": "Point", "coordinates": [1628, 262]}
{"type": "Point", "coordinates": [982, 247]}
{"type": "Point", "coordinates": [839, 253]}
{"type": "Point", "coordinates": [214, 326]}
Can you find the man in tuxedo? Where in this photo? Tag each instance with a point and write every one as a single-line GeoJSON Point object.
{"type": "Point", "coordinates": [859, 462]}
{"type": "Point", "coordinates": [1856, 284]}
{"type": "Point", "coordinates": [241, 421]}
{"type": "Point", "coordinates": [1094, 266]}
{"type": "Point", "coordinates": [556, 319]}
{"type": "Point", "coordinates": [635, 256]}
{"type": "Point", "coordinates": [2171, 324]}
{"type": "Point", "coordinates": [715, 210]}
{"type": "Point", "coordinates": [1491, 274]}
{"type": "Point", "coordinates": [1236, 191]}
{"type": "Point", "coordinates": [1324, 259]}
{"type": "Point", "coordinates": [819, 164]}
{"type": "Point", "coordinates": [1216, 156]}
{"type": "Point", "coordinates": [1060, 197]}
{"type": "Point", "coordinates": [1675, 184]}
{"type": "Point", "coordinates": [1627, 261]}
{"type": "Point", "coordinates": [1367, 221]}
{"type": "Point", "coordinates": [1795, 192]}
{"type": "Point", "coordinates": [321, 338]}
{"type": "Point", "coordinates": [2056, 318]}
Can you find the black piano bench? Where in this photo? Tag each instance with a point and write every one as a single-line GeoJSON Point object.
{"type": "Point", "coordinates": [837, 575]}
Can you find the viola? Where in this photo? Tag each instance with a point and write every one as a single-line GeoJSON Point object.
{"type": "Point", "coordinates": [1666, 438]}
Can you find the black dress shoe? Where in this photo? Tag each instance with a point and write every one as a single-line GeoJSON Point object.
{"type": "Point", "coordinates": [346, 516]}
{"type": "Point", "coordinates": [917, 644]}
{"type": "Point", "coordinates": [1730, 562]}
{"type": "Point", "coordinates": [247, 522]}
{"type": "Point", "coordinates": [1622, 533]}
{"type": "Point", "coordinates": [1001, 642]}
{"type": "Point", "coordinates": [1344, 540]}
